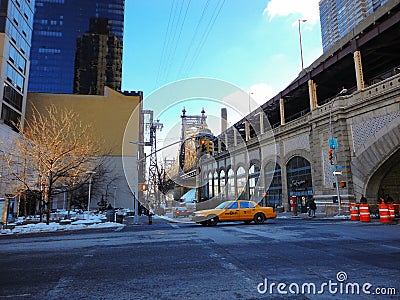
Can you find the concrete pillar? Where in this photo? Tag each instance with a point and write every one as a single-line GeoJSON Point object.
{"type": "Point", "coordinates": [282, 110]}
{"type": "Point", "coordinates": [285, 192]}
{"type": "Point", "coordinates": [226, 140]}
{"type": "Point", "coordinates": [234, 136]}
{"type": "Point", "coordinates": [261, 115]}
{"type": "Point", "coordinates": [359, 71]}
{"type": "Point", "coordinates": [219, 146]}
{"type": "Point", "coordinates": [312, 94]}
{"type": "Point", "coordinates": [247, 130]}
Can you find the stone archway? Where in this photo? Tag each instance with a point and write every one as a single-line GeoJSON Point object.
{"type": "Point", "coordinates": [376, 165]}
{"type": "Point", "coordinates": [385, 180]}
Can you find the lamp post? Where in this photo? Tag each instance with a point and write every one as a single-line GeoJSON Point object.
{"type": "Point", "coordinates": [335, 172]}
{"type": "Point", "coordinates": [115, 195]}
{"type": "Point", "coordinates": [90, 173]}
{"type": "Point", "coordinates": [301, 45]}
{"type": "Point", "coordinates": [136, 183]}
{"type": "Point", "coordinates": [249, 101]}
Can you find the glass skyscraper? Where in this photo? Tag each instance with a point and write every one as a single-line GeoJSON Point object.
{"type": "Point", "coordinates": [16, 19]}
{"type": "Point", "coordinates": [339, 17]}
{"type": "Point", "coordinates": [57, 25]}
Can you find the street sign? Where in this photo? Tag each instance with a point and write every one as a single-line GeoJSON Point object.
{"type": "Point", "coordinates": [337, 173]}
{"type": "Point", "coordinates": [333, 143]}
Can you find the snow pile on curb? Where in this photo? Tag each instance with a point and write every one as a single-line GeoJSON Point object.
{"type": "Point", "coordinates": [52, 227]}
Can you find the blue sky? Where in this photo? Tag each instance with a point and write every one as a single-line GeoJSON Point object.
{"type": "Point", "coordinates": [252, 44]}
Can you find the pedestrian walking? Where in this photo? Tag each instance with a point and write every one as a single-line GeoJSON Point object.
{"type": "Point", "coordinates": [312, 206]}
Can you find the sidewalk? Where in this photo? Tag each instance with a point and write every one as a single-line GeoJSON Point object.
{"type": "Point", "coordinates": [318, 216]}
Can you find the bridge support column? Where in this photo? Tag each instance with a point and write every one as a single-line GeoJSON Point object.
{"type": "Point", "coordinates": [312, 93]}
{"type": "Point", "coordinates": [226, 140]}
{"type": "Point", "coordinates": [234, 137]}
{"type": "Point", "coordinates": [282, 110]}
{"type": "Point", "coordinates": [261, 115]}
{"type": "Point", "coordinates": [247, 130]}
{"type": "Point", "coordinates": [359, 71]}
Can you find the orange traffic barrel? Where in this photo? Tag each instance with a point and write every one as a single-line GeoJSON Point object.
{"type": "Point", "coordinates": [384, 215]}
{"type": "Point", "coordinates": [354, 215]}
{"type": "Point", "coordinates": [391, 212]}
{"type": "Point", "coordinates": [365, 215]}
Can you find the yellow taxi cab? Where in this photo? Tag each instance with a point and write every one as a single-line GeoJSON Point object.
{"type": "Point", "coordinates": [237, 210]}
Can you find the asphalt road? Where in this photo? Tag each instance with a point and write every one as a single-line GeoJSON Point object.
{"type": "Point", "coordinates": [284, 258]}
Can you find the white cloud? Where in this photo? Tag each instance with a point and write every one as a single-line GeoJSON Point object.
{"type": "Point", "coordinates": [261, 92]}
{"type": "Point", "coordinates": [304, 9]}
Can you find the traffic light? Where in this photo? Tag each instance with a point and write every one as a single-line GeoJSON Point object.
{"type": "Point", "coordinates": [343, 184]}
{"type": "Point", "coordinates": [203, 145]}
{"type": "Point", "coordinates": [210, 147]}
{"type": "Point", "coordinates": [143, 187]}
{"type": "Point", "coordinates": [330, 156]}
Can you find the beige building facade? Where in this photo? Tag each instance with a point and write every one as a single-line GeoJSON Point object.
{"type": "Point", "coordinates": [117, 122]}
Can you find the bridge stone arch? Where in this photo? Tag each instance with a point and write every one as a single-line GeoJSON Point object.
{"type": "Point", "coordinates": [299, 184]}
{"type": "Point", "coordinates": [376, 166]}
{"type": "Point", "coordinates": [298, 152]}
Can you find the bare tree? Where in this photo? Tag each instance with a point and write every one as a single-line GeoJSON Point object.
{"type": "Point", "coordinates": [54, 150]}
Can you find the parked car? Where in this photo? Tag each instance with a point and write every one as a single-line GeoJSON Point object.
{"type": "Point", "coordinates": [239, 210]}
{"type": "Point", "coordinates": [181, 212]}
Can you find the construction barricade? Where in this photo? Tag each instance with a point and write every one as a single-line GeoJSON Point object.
{"type": "Point", "coordinates": [384, 215]}
{"type": "Point", "coordinates": [354, 214]}
{"type": "Point", "coordinates": [365, 215]}
{"type": "Point", "coordinates": [391, 212]}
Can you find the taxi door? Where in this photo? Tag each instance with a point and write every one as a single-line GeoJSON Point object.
{"type": "Point", "coordinates": [230, 213]}
{"type": "Point", "coordinates": [246, 211]}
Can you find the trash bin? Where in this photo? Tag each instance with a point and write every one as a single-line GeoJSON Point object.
{"type": "Point", "coordinates": [119, 219]}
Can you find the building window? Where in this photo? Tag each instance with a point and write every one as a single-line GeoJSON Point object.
{"type": "Point", "coordinates": [254, 175]}
{"type": "Point", "coordinates": [10, 117]}
{"type": "Point", "coordinates": [222, 183]}
{"type": "Point", "coordinates": [231, 185]}
{"type": "Point", "coordinates": [12, 97]}
{"type": "Point", "coordinates": [241, 183]}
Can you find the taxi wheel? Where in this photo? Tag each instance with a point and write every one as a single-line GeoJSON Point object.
{"type": "Point", "coordinates": [259, 218]}
{"type": "Point", "coordinates": [213, 220]}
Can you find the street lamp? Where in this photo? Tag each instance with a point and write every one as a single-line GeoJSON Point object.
{"type": "Point", "coordinates": [249, 101]}
{"type": "Point", "coordinates": [115, 195]}
{"type": "Point", "coordinates": [90, 173]}
{"type": "Point", "coordinates": [331, 142]}
{"type": "Point", "coordinates": [301, 46]}
{"type": "Point", "coordinates": [136, 183]}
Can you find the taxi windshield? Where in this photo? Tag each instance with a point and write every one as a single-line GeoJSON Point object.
{"type": "Point", "coordinates": [223, 205]}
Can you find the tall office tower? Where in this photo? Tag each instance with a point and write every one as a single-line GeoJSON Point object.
{"type": "Point", "coordinates": [16, 20]}
{"type": "Point", "coordinates": [98, 60]}
{"type": "Point", "coordinates": [56, 27]}
{"type": "Point", "coordinates": [339, 17]}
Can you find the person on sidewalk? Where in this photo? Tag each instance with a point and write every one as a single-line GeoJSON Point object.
{"type": "Point", "coordinates": [312, 208]}
{"type": "Point", "coordinates": [363, 200]}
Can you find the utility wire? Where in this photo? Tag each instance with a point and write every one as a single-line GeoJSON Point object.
{"type": "Point", "coordinates": [193, 37]}
{"type": "Point", "coordinates": [164, 44]}
{"type": "Point", "coordinates": [205, 36]}
{"type": "Point", "coordinates": [170, 61]}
